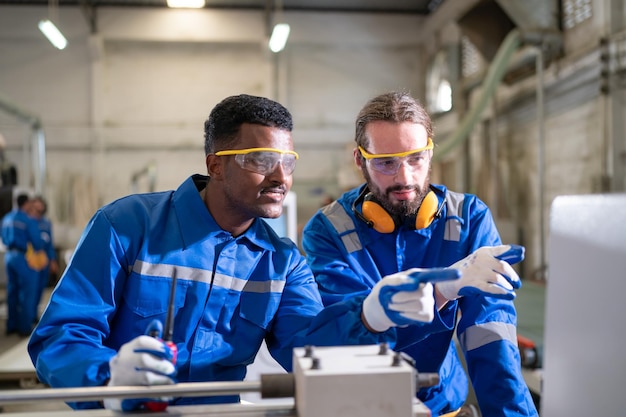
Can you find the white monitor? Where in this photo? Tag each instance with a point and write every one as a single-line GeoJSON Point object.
{"type": "Point", "coordinates": [584, 365]}
{"type": "Point", "coordinates": [287, 224]}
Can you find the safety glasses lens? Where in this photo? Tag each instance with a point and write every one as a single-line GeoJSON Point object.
{"type": "Point", "coordinates": [265, 163]}
{"type": "Point", "coordinates": [390, 166]}
{"type": "Point", "coordinates": [387, 166]}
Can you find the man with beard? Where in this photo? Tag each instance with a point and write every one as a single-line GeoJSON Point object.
{"type": "Point", "coordinates": [397, 221]}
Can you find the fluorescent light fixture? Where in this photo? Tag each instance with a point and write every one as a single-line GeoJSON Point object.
{"type": "Point", "coordinates": [278, 40]}
{"type": "Point", "coordinates": [185, 4]}
{"type": "Point", "coordinates": [53, 34]}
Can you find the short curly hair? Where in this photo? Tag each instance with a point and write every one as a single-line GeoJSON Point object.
{"type": "Point", "coordinates": [226, 118]}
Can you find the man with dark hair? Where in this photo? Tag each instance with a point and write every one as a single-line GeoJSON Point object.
{"type": "Point", "coordinates": [20, 235]}
{"type": "Point", "coordinates": [236, 282]}
{"type": "Point", "coordinates": [398, 220]}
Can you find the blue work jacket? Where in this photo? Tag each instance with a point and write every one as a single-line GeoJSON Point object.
{"type": "Point", "coordinates": [231, 294]}
{"type": "Point", "coordinates": [18, 229]}
{"type": "Point", "coordinates": [348, 258]}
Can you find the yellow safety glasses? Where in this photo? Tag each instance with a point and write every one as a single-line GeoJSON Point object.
{"type": "Point", "coordinates": [263, 161]}
{"type": "Point", "coordinates": [389, 163]}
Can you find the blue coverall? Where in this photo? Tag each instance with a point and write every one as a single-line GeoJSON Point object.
{"type": "Point", "coordinates": [18, 230]}
{"type": "Point", "coordinates": [348, 258]}
{"type": "Point", "coordinates": [231, 293]}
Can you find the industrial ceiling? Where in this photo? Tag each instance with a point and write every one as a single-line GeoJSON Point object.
{"type": "Point", "coordinates": [419, 7]}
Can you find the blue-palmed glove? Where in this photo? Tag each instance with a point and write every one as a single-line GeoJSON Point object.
{"type": "Point", "coordinates": [145, 361]}
{"type": "Point", "coordinates": [486, 272]}
{"type": "Point", "coordinates": [404, 298]}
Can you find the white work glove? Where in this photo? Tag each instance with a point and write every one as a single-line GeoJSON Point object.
{"type": "Point", "coordinates": [486, 272]}
{"type": "Point", "coordinates": [404, 298]}
{"type": "Point", "coordinates": [145, 361]}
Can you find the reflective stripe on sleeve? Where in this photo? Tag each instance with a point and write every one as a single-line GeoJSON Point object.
{"type": "Point", "coordinates": [454, 203]}
{"type": "Point", "coordinates": [480, 335]}
{"type": "Point", "coordinates": [344, 226]}
{"type": "Point", "coordinates": [167, 271]}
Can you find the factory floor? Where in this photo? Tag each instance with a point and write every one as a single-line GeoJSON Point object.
{"type": "Point", "coordinates": [10, 344]}
{"type": "Point", "coordinates": [530, 304]}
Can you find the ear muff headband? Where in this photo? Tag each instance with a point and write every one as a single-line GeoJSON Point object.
{"type": "Point", "coordinates": [380, 220]}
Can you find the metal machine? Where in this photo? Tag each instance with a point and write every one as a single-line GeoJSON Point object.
{"type": "Point", "coordinates": [346, 381]}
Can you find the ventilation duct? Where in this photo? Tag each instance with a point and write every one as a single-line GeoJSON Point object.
{"type": "Point", "coordinates": [490, 21]}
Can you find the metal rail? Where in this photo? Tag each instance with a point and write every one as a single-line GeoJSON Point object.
{"type": "Point", "coordinates": [187, 389]}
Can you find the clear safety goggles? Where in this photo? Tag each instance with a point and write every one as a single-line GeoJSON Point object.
{"type": "Point", "coordinates": [389, 163]}
{"type": "Point", "coordinates": [263, 161]}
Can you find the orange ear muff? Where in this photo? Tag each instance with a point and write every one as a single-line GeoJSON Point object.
{"type": "Point", "coordinates": [382, 222]}
{"type": "Point", "coordinates": [427, 211]}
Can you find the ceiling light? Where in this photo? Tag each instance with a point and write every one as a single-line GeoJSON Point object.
{"type": "Point", "coordinates": [187, 4]}
{"type": "Point", "coordinates": [278, 40]}
{"type": "Point", "coordinates": [53, 34]}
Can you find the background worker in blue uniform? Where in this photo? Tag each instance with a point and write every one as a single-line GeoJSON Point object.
{"type": "Point", "coordinates": [398, 220]}
{"type": "Point", "coordinates": [237, 282]}
{"type": "Point", "coordinates": [20, 235]}
{"type": "Point", "coordinates": [38, 210]}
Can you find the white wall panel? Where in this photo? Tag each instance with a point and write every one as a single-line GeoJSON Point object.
{"type": "Point", "coordinates": [41, 79]}
{"type": "Point", "coordinates": [174, 87]}
{"type": "Point", "coordinates": [176, 84]}
{"type": "Point", "coordinates": [573, 157]}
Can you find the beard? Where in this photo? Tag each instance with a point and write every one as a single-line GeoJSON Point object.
{"type": "Point", "coordinates": [399, 209]}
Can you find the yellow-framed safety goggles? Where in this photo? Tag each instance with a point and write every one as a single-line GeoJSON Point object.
{"type": "Point", "coordinates": [389, 163]}
{"type": "Point", "coordinates": [263, 161]}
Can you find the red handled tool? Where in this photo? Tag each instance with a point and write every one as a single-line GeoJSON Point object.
{"type": "Point", "coordinates": [528, 352]}
{"type": "Point", "coordinates": [168, 334]}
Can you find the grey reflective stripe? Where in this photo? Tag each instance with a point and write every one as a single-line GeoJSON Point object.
{"type": "Point", "coordinates": [167, 271]}
{"type": "Point", "coordinates": [343, 224]}
{"type": "Point", "coordinates": [243, 285]}
{"type": "Point", "coordinates": [454, 203]}
{"type": "Point", "coordinates": [203, 275]}
{"type": "Point", "coordinates": [480, 335]}
{"type": "Point", "coordinates": [19, 225]}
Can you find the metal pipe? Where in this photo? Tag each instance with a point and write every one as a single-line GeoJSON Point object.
{"type": "Point", "coordinates": [187, 389]}
{"type": "Point", "coordinates": [541, 161]}
{"type": "Point", "coordinates": [495, 73]}
{"type": "Point", "coordinates": [492, 138]}
{"type": "Point", "coordinates": [150, 171]}
{"type": "Point", "coordinates": [39, 153]}
{"type": "Point", "coordinates": [36, 146]}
